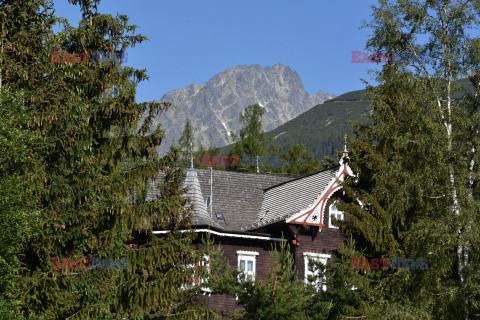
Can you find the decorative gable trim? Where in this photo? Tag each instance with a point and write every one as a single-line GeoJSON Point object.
{"type": "Point", "coordinates": [313, 215]}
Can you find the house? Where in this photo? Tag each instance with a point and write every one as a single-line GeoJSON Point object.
{"type": "Point", "coordinates": [247, 212]}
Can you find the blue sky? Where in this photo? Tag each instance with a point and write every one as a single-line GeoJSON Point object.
{"type": "Point", "coordinates": [192, 40]}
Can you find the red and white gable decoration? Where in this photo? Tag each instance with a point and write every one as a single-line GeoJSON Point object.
{"type": "Point", "coordinates": [313, 215]}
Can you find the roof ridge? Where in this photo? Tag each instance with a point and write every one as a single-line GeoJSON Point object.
{"type": "Point", "coordinates": [293, 180]}
{"type": "Point", "coordinates": [252, 173]}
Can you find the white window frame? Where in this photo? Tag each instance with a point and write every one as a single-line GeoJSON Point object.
{"type": "Point", "coordinates": [334, 212]}
{"type": "Point", "coordinates": [202, 281]}
{"type": "Point", "coordinates": [313, 256]}
{"type": "Point", "coordinates": [247, 256]}
{"type": "Point", "coordinates": [197, 281]}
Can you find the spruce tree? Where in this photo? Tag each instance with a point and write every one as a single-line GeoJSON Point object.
{"type": "Point", "coordinates": [251, 141]}
{"type": "Point", "coordinates": [187, 142]}
{"type": "Point", "coordinates": [86, 154]}
{"type": "Point", "coordinates": [160, 284]}
{"type": "Point", "coordinates": [16, 165]}
{"type": "Point", "coordinates": [281, 296]}
{"type": "Point", "coordinates": [24, 26]}
{"type": "Point", "coordinates": [298, 160]}
{"type": "Point", "coordinates": [349, 294]}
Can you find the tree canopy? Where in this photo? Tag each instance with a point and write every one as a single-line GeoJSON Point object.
{"type": "Point", "coordinates": [417, 164]}
{"type": "Point", "coordinates": [78, 156]}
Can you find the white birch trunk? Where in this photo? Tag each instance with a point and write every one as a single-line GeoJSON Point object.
{"type": "Point", "coordinates": [447, 121]}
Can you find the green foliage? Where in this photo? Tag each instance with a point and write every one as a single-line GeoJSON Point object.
{"type": "Point", "coordinates": [253, 143]}
{"type": "Point", "coordinates": [281, 296]}
{"type": "Point", "coordinates": [156, 285]}
{"type": "Point", "coordinates": [187, 146]}
{"type": "Point", "coordinates": [20, 37]}
{"type": "Point", "coordinates": [299, 161]}
{"type": "Point", "coordinates": [77, 161]}
{"type": "Point", "coordinates": [251, 140]}
{"type": "Point", "coordinates": [187, 142]}
{"type": "Point", "coordinates": [211, 152]}
{"type": "Point", "coordinates": [351, 291]}
{"type": "Point", "coordinates": [417, 164]}
{"type": "Point", "coordinates": [15, 213]}
{"type": "Point", "coordinates": [322, 128]}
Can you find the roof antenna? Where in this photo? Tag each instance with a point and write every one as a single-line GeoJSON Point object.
{"type": "Point", "coordinates": [191, 154]}
{"type": "Point", "coordinates": [211, 192]}
{"type": "Point", "coordinates": [345, 150]}
{"type": "Point", "coordinates": [345, 137]}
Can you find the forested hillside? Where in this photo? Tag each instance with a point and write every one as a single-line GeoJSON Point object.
{"type": "Point", "coordinates": [322, 128]}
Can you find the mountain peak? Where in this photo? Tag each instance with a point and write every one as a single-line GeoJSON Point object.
{"type": "Point", "coordinates": [214, 106]}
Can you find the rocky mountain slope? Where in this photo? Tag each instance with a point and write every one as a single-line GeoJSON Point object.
{"type": "Point", "coordinates": [214, 107]}
{"type": "Point", "coordinates": [322, 128]}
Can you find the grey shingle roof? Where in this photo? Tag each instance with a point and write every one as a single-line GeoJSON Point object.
{"type": "Point", "coordinates": [248, 201]}
{"type": "Point", "coordinates": [197, 199]}
{"type": "Point", "coordinates": [194, 194]}
{"type": "Point", "coordinates": [237, 196]}
{"type": "Point", "coordinates": [291, 197]}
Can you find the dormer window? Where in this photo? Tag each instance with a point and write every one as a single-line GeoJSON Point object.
{"type": "Point", "coordinates": [334, 212]}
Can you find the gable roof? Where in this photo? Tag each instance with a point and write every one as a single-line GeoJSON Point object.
{"type": "Point", "coordinates": [237, 196]}
{"type": "Point", "coordinates": [313, 215]}
{"type": "Point", "coordinates": [248, 201]}
{"type": "Point", "coordinates": [284, 200]}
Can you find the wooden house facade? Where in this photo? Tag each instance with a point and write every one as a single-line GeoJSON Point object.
{"type": "Point", "coordinates": [246, 213]}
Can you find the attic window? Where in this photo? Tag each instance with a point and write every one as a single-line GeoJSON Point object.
{"type": "Point", "coordinates": [220, 217]}
{"type": "Point", "coordinates": [337, 214]}
{"type": "Point", "coordinates": [208, 202]}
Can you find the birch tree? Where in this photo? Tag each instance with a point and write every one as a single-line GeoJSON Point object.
{"type": "Point", "coordinates": [418, 163]}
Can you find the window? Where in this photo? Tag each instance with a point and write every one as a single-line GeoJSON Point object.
{"type": "Point", "coordinates": [247, 265]}
{"type": "Point", "coordinates": [334, 212]}
{"type": "Point", "coordinates": [312, 274]}
{"type": "Point", "coordinates": [199, 277]}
